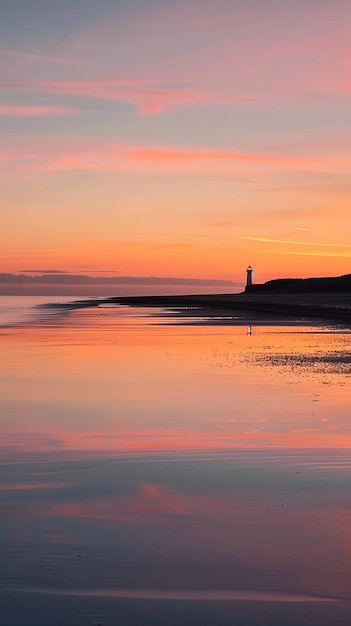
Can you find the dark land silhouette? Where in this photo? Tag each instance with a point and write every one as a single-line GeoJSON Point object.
{"type": "Point", "coordinates": [340, 284]}
{"type": "Point", "coordinates": [317, 300]}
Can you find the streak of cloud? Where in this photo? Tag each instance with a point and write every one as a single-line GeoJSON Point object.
{"type": "Point", "coordinates": [107, 156]}
{"type": "Point", "coordinates": [308, 230]}
{"type": "Point", "coordinates": [148, 97]}
{"type": "Point", "coordinates": [35, 55]}
{"type": "Point", "coordinates": [37, 111]}
{"type": "Point", "coordinates": [346, 255]}
{"type": "Point", "coordinates": [297, 243]}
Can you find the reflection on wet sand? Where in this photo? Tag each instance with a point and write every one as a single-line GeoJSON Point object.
{"type": "Point", "coordinates": [241, 527]}
{"type": "Point", "coordinates": [207, 595]}
{"type": "Point", "coordinates": [105, 382]}
{"type": "Point", "coordinates": [158, 474]}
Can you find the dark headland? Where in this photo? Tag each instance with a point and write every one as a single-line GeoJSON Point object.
{"type": "Point", "coordinates": [336, 285]}
{"type": "Point", "coordinates": [320, 300]}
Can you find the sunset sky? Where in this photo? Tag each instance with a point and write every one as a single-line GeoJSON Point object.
{"type": "Point", "coordinates": [143, 140]}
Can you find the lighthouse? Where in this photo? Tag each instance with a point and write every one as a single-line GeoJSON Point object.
{"type": "Point", "coordinates": [249, 276]}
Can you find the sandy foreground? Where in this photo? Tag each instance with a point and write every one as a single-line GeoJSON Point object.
{"type": "Point", "coordinates": [177, 475]}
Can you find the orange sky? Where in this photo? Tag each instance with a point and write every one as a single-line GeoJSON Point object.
{"type": "Point", "coordinates": [182, 140]}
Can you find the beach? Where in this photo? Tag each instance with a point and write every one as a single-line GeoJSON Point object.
{"type": "Point", "coordinates": [266, 308]}
{"type": "Point", "coordinates": [169, 466]}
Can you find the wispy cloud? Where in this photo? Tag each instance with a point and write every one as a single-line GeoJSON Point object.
{"type": "Point", "coordinates": [316, 253]}
{"type": "Point", "coordinates": [163, 154]}
{"type": "Point", "coordinates": [308, 230]}
{"type": "Point", "coordinates": [10, 110]}
{"type": "Point", "coordinates": [34, 55]}
{"type": "Point", "coordinates": [297, 243]}
{"type": "Point", "coordinates": [101, 156]}
{"type": "Point", "coordinates": [148, 97]}
{"type": "Point", "coordinates": [241, 51]}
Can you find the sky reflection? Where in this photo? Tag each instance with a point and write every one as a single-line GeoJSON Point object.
{"type": "Point", "coordinates": [244, 529]}
{"type": "Point", "coordinates": [107, 382]}
{"type": "Point", "coordinates": [173, 474]}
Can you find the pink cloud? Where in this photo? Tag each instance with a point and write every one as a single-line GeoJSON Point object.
{"type": "Point", "coordinates": [229, 54]}
{"type": "Point", "coordinates": [149, 97]}
{"type": "Point", "coordinates": [37, 111]}
{"type": "Point", "coordinates": [237, 52]}
{"type": "Point", "coordinates": [225, 55]}
{"type": "Point", "coordinates": [166, 154]}
{"type": "Point", "coordinates": [104, 157]}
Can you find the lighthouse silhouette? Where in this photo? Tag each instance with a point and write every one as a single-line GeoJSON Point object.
{"type": "Point", "coordinates": [249, 276]}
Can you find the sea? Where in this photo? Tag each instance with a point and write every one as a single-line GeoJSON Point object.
{"type": "Point", "coordinates": [165, 467]}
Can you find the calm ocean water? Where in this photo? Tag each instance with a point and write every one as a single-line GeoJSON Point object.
{"type": "Point", "coordinates": [18, 310]}
{"type": "Point", "coordinates": [158, 472]}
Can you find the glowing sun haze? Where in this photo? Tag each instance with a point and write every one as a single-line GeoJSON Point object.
{"type": "Point", "coordinates": [166, 139]}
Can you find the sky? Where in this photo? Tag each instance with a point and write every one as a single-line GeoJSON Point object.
{"type": "Point", "coordinates": [149, 140]}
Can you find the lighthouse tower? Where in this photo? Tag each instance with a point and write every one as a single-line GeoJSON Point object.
{"type": "Point", "coordinates": [249, 276]}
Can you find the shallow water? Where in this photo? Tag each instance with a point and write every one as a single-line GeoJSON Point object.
{"type": "Point", "coordinates": [157, 473]}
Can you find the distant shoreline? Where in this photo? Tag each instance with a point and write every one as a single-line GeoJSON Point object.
{"type": "Point", "coordinates": [321, 308]}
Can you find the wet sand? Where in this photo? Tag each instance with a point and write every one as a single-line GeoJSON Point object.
{"type": "Point", "coordinates": [174, 470]}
